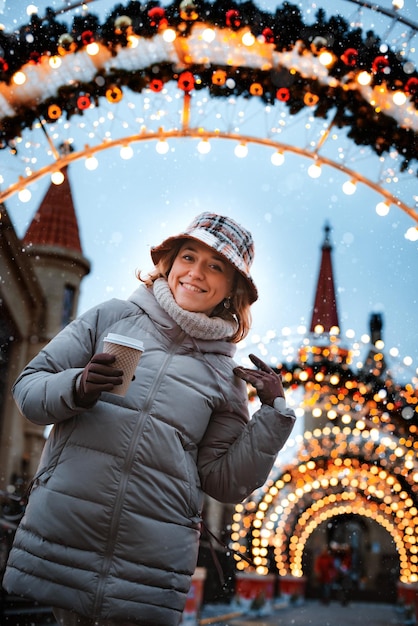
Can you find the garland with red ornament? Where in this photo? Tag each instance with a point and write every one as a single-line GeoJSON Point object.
{"type": "Point", "coordinates": [335, 95]}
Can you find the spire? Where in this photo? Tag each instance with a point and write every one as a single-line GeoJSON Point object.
{"type": "Point", "coordinates": [55, 222]}
{"type": "Point", "coordinates": [325, 308]}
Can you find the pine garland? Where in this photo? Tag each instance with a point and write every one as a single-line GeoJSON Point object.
{"type": "Point", "coordinates": [284, 30]}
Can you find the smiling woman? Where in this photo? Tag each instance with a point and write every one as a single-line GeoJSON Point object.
{"type": "Point", "coordinates": [182, 430]}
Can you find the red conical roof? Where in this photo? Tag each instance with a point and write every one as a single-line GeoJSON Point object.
{"type": "Point", "coordinates": [55, 222]}
{"type": "Point", "coordinates": [325, 308]}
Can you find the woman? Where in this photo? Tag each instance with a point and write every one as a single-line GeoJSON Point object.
{"type": "Point", "coordinates": [111, 529]}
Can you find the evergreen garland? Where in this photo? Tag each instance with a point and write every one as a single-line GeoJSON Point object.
{"type": "Point", "coordinates": [354, 51]}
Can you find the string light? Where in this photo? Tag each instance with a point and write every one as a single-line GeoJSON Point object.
{"type": "Point", "coordinates": [91, 163]}
{"type": "Point", "coordinates": [315, 170]}
{"type": "Point", "coordinates": [349, 187]}
{"type": "Point", "coordinates": [162, 146]}
{"type": "Point", "coordinates": [208, 35]}
{"type": "Point", "coordinates": [24, 195]}
{"type": "Point", "coordinates": [19, 78]}
{"type": "Point", "coordinates": [92, 49]}
{"type": "Point", "coordinates": [382, 208]}
{"type": "Point", "coordinates": [169, 35]}
{"type": "Point", "coordinates": [277, 158]}
{"type": "Point", "coordinates": [57, 178]}
{"type": "Point", "coordinates": [364, 78]}
{"type": "Point", "coordinates": [204, 146]}
{"type": "Point", "coordinates": [55, 62]}
{"type": "Point", "coordinates": [248, 39]}
{"type": "Point", "coordinates": [241, 150]}
{"type": "Point", "coordinates": [399, 98]}
{"type": "Point", "coordinates": [126, 152]}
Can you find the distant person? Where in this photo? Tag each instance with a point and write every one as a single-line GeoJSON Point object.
{"type": "Point", "coordinates": [344, 577]}
{"type": "Point", "coordinates": [325, 573]}
{"type": "Point", "coordinates": [112, 526]}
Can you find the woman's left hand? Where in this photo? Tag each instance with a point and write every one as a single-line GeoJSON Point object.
{"type": "Point", "coordinates": [265, 380]}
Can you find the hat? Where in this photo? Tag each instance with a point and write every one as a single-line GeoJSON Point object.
{"type": "Point", "coordinates": [222, 234]}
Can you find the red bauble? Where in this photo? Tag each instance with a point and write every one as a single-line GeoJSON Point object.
{"type": "Point", "coordinates": [87, 37]}
{"type": "Point", "coordinates": [83, 102]}
{"type": "Point", "coordinates": [411, 86]}
{"type": "Point", "coordinates": [4, 66]}
{"type": "Point", "coordinates": [283, 94]}
{"type": "Point", "coordinates": [268, 35]}
{"type": "Point", "coordinates": [379, 64]}
{"type": "Point", "coordinates": [156, 84]}
{"type": "Point", "coordinates": [186, 82]}
{"type": "Point", "coordinates": [350, 57]}
{"type": "Point", "coordinates": [157, 17]}
{"type": "Point", "coordinates": [232, 18]}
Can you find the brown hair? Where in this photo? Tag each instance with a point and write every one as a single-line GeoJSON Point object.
{"type": "Point", "coordinates": [240, 301]}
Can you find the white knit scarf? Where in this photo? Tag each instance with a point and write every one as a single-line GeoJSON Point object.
{"type": "Point", "coordinates": [197, 325]}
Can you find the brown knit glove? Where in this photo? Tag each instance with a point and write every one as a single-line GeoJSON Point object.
{"type": "Point", "coordinates": [97, 376]}
{"type": "Point", "coordinates": [265, 380]}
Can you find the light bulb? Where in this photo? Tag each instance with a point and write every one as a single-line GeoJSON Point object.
{"type": "Point", "coordinates": [364, 78]}
{"type": "Point", "coordinates": [399, 98]}
{"type": "Point", "coordinates": [57, 178]}
{"type": "Point", "coordinates": [314, 170]}
{"type": "Point", "coordinates": [248, 39]}
{"type": "Point", "coordinates": [169, 35]}
{"type": "Point", "coordinates": [382, 208]}
{"type": "Point", "coordinates": [126, 152]}
{"type": "Point", "coordinates": [19, 78]}
{"type": "Point", "coordinates": [208, 35]}
{"type": "Point", "coordinates": [241, 151]}
{"type": "Point", "coordinates": [55, 62]}
{"type": "Point", "coordinates": [91, 163]}
{"type": "Point", "coordinates": [277, 158]}
{"type": "Point", "coordinates": [92, 49]}
{"type": "Point", "coordinates": [326, 58]}
{"type": "Point", "coordinates": [133, 41]}
{"type": "Point", "coordinates": [203, 146]}
{"type": "Point", "coordinates": [31, 9]}
{"type": "Point", "coordinates": [162, 146]}
{"type": "Point", "coordinates": [24, 195]}
{"type": "Point", "coordinates": [412, 233]}
{"type": "Point", "coordinates": [349, 187]}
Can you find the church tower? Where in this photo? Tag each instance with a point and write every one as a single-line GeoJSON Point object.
{"type": "Point", "coordinates": [52, 241]}
{"type": "Point", "coordinates": [324, 344]}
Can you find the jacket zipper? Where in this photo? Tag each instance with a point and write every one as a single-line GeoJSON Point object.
{"type": "Point", "coordinates": [126, 472]}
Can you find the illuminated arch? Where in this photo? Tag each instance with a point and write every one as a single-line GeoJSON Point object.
{"type": "Point", "coordinates": [206, 135]}
{"type": "Point", "coordinates": [325, 482]}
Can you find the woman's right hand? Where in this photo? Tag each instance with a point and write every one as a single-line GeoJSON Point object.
{"type": "Point", "coordinates": [97, 376]}
{"type": "Point", "coordinates": [265, 380]}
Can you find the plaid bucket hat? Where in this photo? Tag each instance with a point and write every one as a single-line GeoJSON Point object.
{"type": "Point", "coordinates": [222, 234]}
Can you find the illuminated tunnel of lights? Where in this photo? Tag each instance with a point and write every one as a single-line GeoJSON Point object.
{"type": "Point", "coordinates": [360, 470]}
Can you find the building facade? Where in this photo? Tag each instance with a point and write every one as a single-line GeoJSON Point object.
{"type": "Point", "coordinates": [40, 277]}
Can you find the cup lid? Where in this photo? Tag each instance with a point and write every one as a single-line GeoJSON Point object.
{"type": "Point", "coordinates": [123, 340]}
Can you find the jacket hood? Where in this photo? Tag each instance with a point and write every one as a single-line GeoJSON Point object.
{"type": "Point", "coordinates": [144, 298]}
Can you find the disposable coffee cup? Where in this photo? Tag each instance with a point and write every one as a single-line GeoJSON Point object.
{"type": "Point", "coordinates": [127, 351]}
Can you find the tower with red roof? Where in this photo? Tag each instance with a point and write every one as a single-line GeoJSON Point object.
{"type": "Point", "coordinates": [52, 241]}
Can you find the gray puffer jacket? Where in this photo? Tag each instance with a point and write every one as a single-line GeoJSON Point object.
{"type": "Point", "coordinates": [112, 525]}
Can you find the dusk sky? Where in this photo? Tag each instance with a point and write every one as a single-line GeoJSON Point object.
{"type": "Point", "coordinates": [127, 205]}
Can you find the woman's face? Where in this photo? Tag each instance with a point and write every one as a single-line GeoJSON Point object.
{"type": "Point", "coordinates": [200, 278]}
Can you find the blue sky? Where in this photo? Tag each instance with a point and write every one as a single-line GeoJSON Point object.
{"type": "Point", "coordinates": [125, 206]}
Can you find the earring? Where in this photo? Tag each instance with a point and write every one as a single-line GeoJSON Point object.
{"type": "Point", "coordinates": [227, 303]}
